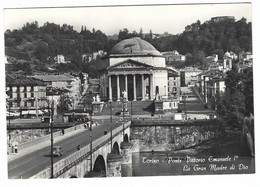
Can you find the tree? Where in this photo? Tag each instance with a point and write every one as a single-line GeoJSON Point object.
{"type": "Point", "coordinates": [141, 33]}
{"type": "Point", "coordinates": [64, 104]}
{"type": "Point", "coordinates": [237, 101]}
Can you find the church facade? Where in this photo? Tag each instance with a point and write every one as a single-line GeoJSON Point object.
{"type": "Point", "coordinates": [137, 69]}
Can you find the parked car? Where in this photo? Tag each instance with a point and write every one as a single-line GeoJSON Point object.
{"type": "Point", "coordinates": [57, 151]}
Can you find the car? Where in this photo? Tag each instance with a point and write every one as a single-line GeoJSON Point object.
{"type": "Point", "coordinates": [57, 151]}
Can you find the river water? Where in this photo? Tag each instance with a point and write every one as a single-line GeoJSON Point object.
{"type": "Point", "coordinates": [222, 156]}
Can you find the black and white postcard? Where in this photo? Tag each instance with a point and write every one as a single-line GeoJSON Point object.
{"type": "Point", "coordinates": [138, 90]}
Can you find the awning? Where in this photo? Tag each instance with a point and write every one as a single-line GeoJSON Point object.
{"type": "Point", "coordinates": [32, 112]}
{"type": "Point", "coordinates": [12, 114]}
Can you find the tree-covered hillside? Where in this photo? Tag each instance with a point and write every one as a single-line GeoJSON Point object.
{"type": "Point", "coordinates": [33, 47]}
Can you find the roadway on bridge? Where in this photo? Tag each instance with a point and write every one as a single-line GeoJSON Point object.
{"type": "Point", "coordinates": [34, 162]}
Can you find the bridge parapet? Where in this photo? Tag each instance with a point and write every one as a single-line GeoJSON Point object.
{"type": "Point", "coordinates": [70, 161]}
{"type": "Point", "coordinates": [45, 138]}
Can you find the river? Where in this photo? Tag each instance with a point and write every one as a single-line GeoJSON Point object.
{"type": "Point", "coordinates": [220, 156]}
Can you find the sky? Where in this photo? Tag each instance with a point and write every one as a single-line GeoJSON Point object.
{"type": "Point", "coordinates": [110, 19]}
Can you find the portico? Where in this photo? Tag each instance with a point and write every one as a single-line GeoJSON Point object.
{"type": "Point", "coordinates": [138, 85]}
{"type": "Point", "coordinates": [134, 77]}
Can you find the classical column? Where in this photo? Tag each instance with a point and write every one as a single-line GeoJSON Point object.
{"type": "Point", "coordinates": [110, 87]}
{"type": "Point", "coordinates": [151, 87]}
{"type": "Point", "coordinates": [118, 88]}
{"type": "Point", "coordinates": [134, 87]}
{"type": "Point", "coordinates": [126, 89]}
{"type": "Point", "coordinates": [143, 89]}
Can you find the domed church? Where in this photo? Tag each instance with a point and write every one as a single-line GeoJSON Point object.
{"type": "Point", "coordinates": [137, 69]}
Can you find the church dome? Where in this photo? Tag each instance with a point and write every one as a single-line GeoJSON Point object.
{"type": "Point", "coordinates": [134, 46]}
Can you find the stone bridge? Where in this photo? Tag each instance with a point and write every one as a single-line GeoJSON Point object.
{"type": "Point", "coordinates": [104, 160]}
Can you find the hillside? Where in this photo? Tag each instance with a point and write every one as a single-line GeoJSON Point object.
{"type": "Point", "coordinates": [33, 48]}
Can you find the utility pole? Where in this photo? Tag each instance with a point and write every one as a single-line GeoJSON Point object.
{"type": "Point", "coordinates": [131, 109]}
{"type": "Point", "coordinates": [91, 161]}
{"type": "Point", "coordinates": [123, 119]}
{"type": "Point", "coordinates": [111, 125]}
{"type": "Point", "coordinates": [51, 122]}
{"type": "Point", "coordinates": [185, 109]}
{"type": "Point", "coordinates": [110, 111]}
{"type": "Point", "coordinates": [9, 124]}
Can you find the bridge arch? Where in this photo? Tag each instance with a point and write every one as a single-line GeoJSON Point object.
{"type": "Point", "coordinates": [115, 149]}
{"type": "Point", "coordinates": [99, 165]}
{"type": "Point", "coordinates": [126, 138]}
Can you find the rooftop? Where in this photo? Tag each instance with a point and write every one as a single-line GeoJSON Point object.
{"type": "Point", "coordinates": [55, 78]}
{"type": "Point", "coordinates": [23, 81]}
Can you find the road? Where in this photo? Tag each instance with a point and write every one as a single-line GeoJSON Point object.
{"type": "Point", "coordinates": [34, 162]}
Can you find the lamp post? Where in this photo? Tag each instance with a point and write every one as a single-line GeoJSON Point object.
{"type": "Point", "coordinates": [185, 109]}
{"type": "Point", "coordinates": [73, 114]}
{"type": "Point", "coordinates": [131, 110]}
{"type": "Point", "coordinates": [123, 117]}
{"type": "Point", "coordinates": [9, 124]}
{"type": "Point", "coordinates": [111, 123]}
{"type": "Point", "coordinates": [51, 123]}
{"type": "Point", "coordinates": [90, 131]}
{"type": "Point", "coordinates": [110, 111]}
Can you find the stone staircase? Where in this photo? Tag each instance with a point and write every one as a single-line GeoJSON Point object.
{"type": "Point", "coordinates": [138, 107]}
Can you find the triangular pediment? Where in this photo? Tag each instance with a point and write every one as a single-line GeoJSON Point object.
{"type": "Point", "coordinates": [129, 64]}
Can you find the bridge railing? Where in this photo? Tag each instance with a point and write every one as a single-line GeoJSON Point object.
{"type": "Point", "coordinates": [165, 121]}
{"type": "Point", "coordinates": [63, 165]}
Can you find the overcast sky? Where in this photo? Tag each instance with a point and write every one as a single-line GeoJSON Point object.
{"type": "Point", "coordinates": [160, 19]}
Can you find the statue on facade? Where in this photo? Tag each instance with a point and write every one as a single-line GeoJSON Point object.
{"type": "Point", "coordinates": [157, 97]}
{"type": "Point", "coordinates": [98, 98]}
{"type": "Point", "coordinates": [124, 95]}
{"type": "Point", "coordinates": [94, 98]}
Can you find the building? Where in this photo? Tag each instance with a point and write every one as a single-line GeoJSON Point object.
{"type": "Point", "coordinates": [174, 84]}
{"type": "Point", "coordinates": [88, 57]}
{"type": "Point", "coordinates": [173, 56]}
{"type": "Point", "coordinates": [245, 57]}
{"type": "Point", "coordinates": [188, 76]}
{"type": "Point", "coordinates": [26, 95]}
{"type": "Point", "coordinates": [212, 59]}
{"type": "Point", "coordinates": [60, 59]}
{"type": "Point", "coordinates": [63, 81]}
{"type": "Point", "coordinates": [209, 84]}
{"type": "Point", "coordinates": [136, 67]}
{"type": "Point", "coordinates": [222, 18]}
{"type": "Point", "coordinates": [227, 62]}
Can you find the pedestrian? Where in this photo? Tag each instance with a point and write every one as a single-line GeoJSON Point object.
{"type": "Point", "coordinates": [85, 126]}
{"type": "Point", "coordinates": [63, 132]}
{"type": "Point", "coordinates": [15, 148]}
{"type": "Point", "coordinates": [78, 147]}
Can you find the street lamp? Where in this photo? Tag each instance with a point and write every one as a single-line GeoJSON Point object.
{"type": "Point", "coordinates": [123, 110]}
{"type": "Point", "coordinates": [9, 124]}
{"type": "Point", "coordinates": [51, 123]}
{"type": "Point", "coordinates": [90, 131]}
{"type": "Point", "coordinates": [111, 123]}
{"type": "Point", "coordinates": [110, 111]}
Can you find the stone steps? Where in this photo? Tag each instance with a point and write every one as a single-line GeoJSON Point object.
{"type": "Point", "coordinates": [138, 107]}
